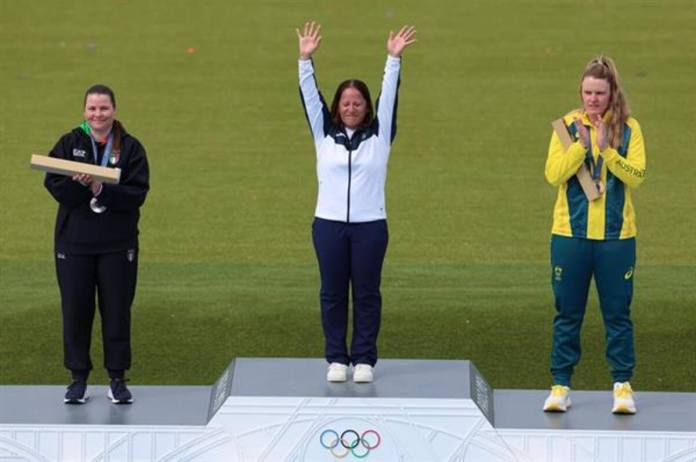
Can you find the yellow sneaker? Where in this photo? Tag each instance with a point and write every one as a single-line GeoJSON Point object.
{"type": "Point", "coordinates": [558, 400]}
{"type": "Point", "coordinates": [624, 403]}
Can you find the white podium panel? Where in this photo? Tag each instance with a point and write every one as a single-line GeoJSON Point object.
{"type": "Point", "coordinates": [383, 429]}
{"type": "Point", "coordinates": [44, 443]}
{"type": "Point", "coordinates": [599, 446]}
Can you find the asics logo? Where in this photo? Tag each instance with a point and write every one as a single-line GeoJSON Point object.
{"type": "Point", "coordinates": [350, 442]}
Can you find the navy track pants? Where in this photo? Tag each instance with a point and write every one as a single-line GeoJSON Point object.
{"type": "Point", "coordinates": [350, 254]}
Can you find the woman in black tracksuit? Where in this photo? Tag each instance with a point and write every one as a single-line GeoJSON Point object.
{"type": "Point", "coordinates": [96, 242]}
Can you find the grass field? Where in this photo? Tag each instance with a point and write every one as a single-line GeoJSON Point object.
{"type": "Point", "coordinates": [227, 266]}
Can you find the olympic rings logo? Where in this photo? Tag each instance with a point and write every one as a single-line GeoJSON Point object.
{"type": "Point", "coordinates": [350, 442]}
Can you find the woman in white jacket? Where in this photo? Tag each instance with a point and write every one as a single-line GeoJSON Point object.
{"type": "Point", "coordinates": [350, 230]}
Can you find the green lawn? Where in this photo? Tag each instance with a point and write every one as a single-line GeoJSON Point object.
{"type": "Point", "coordinates": [227, 266]}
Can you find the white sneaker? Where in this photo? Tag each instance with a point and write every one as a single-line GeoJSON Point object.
{"type": "Point", "coordinates": [337, 372]}
{"type": "Point", "coordinates": [623, 399]}
{"type": "Point", "coordinates": [558, 400]}
{"type": "Point", "coordinates": [362, 373]}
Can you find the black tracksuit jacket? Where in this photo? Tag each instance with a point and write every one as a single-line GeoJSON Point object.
{"type": "Point", "coordinates": [80, 231]}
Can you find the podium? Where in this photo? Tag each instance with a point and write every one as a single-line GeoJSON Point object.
{"type": "Point", "coordinates": [282, 409]}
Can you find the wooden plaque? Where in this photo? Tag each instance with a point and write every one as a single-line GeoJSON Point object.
{"type": "Point", "coordinates": [589, 187]}
{"type": "Point", "coordinates": [69, 168]}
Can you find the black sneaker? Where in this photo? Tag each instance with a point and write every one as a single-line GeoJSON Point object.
{"type": "Point", "coordinates": [76, 393]}
{"type": "Point", "coordinates": [118, 392]}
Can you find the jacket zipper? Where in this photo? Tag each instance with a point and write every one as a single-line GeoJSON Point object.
{"type": "Point", "coordinates": [350, 167]}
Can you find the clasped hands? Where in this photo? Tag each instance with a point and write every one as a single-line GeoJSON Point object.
{"type": "Point", "coordinates": [584, 133]}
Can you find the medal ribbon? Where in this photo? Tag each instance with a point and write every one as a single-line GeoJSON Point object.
{"type": "Point", "coordinates": [107, 149]}
{"type": "Point", "coordinates": [94, 204]}
{"type": "Point", "coordinates": [595, 167]}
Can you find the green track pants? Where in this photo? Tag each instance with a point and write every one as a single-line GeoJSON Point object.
{"type": "Point", "coordinates": [573, 264]}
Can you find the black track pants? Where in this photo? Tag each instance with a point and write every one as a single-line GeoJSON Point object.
{"type": "Point", "coordinates": [111, 278]}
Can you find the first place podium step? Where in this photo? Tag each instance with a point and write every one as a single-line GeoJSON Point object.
{"type": "Point", "coordinates": [282, 409]}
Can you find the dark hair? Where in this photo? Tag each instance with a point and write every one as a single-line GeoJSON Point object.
{"type": "Point", "coordinates": [362, 88]}
{"type": "Point", "coordinates": [100, 89]}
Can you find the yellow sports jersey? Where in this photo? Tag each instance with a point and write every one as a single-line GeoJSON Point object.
{"type": "Point", "coordinates": [611, 216]}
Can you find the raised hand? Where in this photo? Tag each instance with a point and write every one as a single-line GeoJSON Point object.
{"type": "Point", "coordinates": [398, 42]}
{"type": "Point", "coordinates": [309, 39]}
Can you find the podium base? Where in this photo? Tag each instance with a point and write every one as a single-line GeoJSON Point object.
{"type": "Point", "coordinates": [282, 409]}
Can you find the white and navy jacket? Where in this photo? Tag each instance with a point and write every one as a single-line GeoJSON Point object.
{"type": "Point", "coordinates": [352, 170]}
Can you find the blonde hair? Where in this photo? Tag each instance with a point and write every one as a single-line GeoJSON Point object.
{"type": "Point", "coordinates": [603, 67]}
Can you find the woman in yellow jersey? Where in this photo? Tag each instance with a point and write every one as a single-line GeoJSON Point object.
{"type": "Point", "coordinates": [595, 236]}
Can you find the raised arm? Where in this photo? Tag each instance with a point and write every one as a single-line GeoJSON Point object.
{"type": "Point", "coordinates": [388, 98]}
{"type": "Point", "coordinates": [316, 111]}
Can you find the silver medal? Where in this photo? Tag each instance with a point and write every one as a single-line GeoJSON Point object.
{"type": "Point", "coordinates": [96, 208]}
